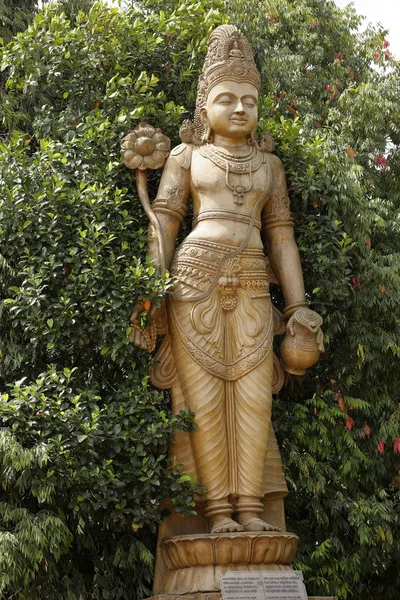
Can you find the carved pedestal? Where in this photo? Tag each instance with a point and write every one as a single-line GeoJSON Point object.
{"type": "Point", "coordinates": [195, 563]}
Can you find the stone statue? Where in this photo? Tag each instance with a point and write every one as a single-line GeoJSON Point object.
{"type": "Point", "coordinates": [217, 355]}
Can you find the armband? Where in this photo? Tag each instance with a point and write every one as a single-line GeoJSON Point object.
{"type": "Point", "coordinates": [170, 206]}
{"type": "Point", "coordinates": [172, 203]}
{"type": "Point", "coordinates": [277, 212]}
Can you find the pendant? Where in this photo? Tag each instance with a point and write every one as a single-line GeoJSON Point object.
{"type": "Point", "coordinates": [238, 194]}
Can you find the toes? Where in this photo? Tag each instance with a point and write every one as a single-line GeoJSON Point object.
{"type": "Point", "coordinates": [236, 527]}
{"type": "Point", "coordinates": [228, 527]}
{"type": "Point", "coordinates": [259, 525]}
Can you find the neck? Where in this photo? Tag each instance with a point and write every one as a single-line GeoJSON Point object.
{"type": "Point", "coordinates": [220, 140]}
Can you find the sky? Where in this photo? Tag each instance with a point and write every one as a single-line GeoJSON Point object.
{"type": "Point", "coordinates": [385, 12]}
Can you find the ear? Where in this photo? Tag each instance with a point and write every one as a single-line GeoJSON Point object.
{"type": "Point", "coordinates": [208, 136]}
{"type": "Point", "coordinates": [204, 117]}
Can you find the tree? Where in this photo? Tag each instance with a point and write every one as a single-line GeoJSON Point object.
{"type": "Point", "coordinates": [84, 436]}
{"type": "Point", "coordinates": [330, 102]}
{"type": "Point", "coordinates": [15, 16]}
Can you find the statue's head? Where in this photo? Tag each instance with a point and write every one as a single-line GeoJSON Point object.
{"type": "Point", "coordinates": [227, 93]}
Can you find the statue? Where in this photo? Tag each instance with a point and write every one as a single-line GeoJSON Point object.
{"type": "Point", "coordinates": [217, 355]}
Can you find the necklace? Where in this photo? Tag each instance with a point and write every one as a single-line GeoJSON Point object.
{"type": "Point", "coordinates": [232, 163]}
{"type": "Point", "coordinates": [224, 153]}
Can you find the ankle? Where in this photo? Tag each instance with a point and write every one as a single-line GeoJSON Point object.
{"type": "Point", "coordinates": [248, 508]}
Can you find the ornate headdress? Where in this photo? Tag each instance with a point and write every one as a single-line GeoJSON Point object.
{"type": "Point", "coordinates": [229, 57]}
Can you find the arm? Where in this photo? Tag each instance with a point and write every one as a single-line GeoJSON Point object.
{"type": "Point", "coordinates": [296, 352]}
{"type": "Point", "coordinates": [170, 206]}
{"type": "Point", "coordinates": [282, 248]}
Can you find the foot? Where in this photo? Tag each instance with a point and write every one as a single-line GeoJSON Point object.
{"type": "Point", "coordinates": [252, 523]}
{"type": "Point", "coordinates": [223, 524]}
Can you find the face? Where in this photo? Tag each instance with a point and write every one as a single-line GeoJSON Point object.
{"type": "Point", "coordinates": [231, 109]}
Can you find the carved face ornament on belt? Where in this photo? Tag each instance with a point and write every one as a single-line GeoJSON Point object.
{"type": "Point", "coordinates": [228, 284]}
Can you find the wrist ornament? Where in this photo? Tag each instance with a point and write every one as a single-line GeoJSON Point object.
{"type": "Point", "coordinates": [290, 309]}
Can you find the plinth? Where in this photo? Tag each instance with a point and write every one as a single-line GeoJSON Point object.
{"type": "Point", "coordinates": [196, 562]}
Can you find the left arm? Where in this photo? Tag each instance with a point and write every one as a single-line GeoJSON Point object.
{"type": "Point", "coordinates": [285, 261]}
{"type": "Point", "coordinates": [282, 248]}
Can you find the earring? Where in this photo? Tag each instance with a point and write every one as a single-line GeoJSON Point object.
{"type": "Point", "coordinates": [252, 140]}
{"type": "Point", "coordinates": [208, 136]}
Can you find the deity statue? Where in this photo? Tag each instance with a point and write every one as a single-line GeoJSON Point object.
{"type": "Point", "coordinates": [217, 355]}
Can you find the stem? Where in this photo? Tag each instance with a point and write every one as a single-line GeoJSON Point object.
{"type": "Point", "coordinates": [141, 185]}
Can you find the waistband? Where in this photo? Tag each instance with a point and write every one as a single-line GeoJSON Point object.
{"type": "Point", "coordinates": [225, 214]}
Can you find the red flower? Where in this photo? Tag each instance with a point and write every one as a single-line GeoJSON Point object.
{"type": "Point", "coordinates": [396, 446]}
{"type": "Point", "coordinates": [328, 87]}
{"type": "Point", "coordinates": [381, 162]}
{"type": "Point", "coordinates": [366, 431]}
{"type": "Point", "coordinates": [340, 401]}
{"type": "Point", "coordinates": [349, 423]}
{"type": "Point", "coordinates": [350, 151]}
{"type": "Point", "coordinates": [377, 54]}
{"type": "Point", "coordinates": [386, 44]}
{"type": "Point", "coordinates": [381, 447]}
{"type": "Point", "coordinates": [356, 281]}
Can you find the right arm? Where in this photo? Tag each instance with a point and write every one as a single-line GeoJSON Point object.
{"type": "Point", "coordinates": [170, 208]}
{"type": "Point", "coordinates": [171, 203]}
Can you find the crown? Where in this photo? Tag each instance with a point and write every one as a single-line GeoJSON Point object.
{"type": "Point", "coordinates": [229, 57]}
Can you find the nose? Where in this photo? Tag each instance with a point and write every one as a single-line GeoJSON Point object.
{"type": "Point", "coordinates": [240, 108]}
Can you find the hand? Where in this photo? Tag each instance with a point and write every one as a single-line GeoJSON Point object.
{"type": "Point", "coordinates": [311, 321]}
{"type": "Point", "coordinates": [303, 342]}
{"type": "Point", "coordinates": [146, 323]}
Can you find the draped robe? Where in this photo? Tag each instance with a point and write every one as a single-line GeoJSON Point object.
{"type": "Point", "coordinates": [217, 357]}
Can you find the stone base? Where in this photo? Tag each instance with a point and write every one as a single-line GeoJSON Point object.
{"type": "Point", "coordinates": [214, 596]}
{"type": "Point", "coordinates": [196, 562]}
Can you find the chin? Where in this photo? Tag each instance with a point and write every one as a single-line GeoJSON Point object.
{"type": "Point", "coordinates": [237, 130]}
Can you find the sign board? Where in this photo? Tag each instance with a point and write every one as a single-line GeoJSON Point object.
{"type": "Point", "coordinates": [265, 585]}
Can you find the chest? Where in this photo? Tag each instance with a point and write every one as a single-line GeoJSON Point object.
{"type": "Point", "coordinates": [242, 182]}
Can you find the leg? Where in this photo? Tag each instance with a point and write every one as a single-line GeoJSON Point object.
{"type": "Point", "coordinates": [253, 395]}
{"type": "Point", "coordinates": [247, 509]}
{"type": "Point", "coordinates": [205, 395]}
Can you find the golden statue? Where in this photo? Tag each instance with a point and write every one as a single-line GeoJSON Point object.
{"type": "Point", "coordinates": [217, 355]}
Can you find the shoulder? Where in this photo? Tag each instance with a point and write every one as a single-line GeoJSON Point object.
{"type": "Point", "coordinates": [274, 162]}
{"type": "Point", "coordinates": [181, 155]}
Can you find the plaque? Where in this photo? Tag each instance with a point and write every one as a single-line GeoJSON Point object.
{"type": "Point", "coordinates": [268, 585]}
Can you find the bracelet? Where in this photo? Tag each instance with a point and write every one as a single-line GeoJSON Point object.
{"type": "Point", "coordinates": [291, 308]}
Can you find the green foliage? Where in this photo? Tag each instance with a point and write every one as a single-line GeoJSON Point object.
{"type": "Point", "coordinates": [335, 118]}
{"type": "Point", "coordinates": [15, 15]}
{"type": "Point", "coordinates": [83, 436]}
{"type": "Point", "coordinates": [85, 464]}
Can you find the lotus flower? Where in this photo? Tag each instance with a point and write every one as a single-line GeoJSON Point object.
{"type": "Point", "coordinates": [145, 148]}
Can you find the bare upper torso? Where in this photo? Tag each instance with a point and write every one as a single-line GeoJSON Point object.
{"type": "Point", "coordinates": [210, 192]}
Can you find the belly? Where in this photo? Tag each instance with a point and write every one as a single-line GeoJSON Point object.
{"type": "Point", "coordinates": [227, 231]}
